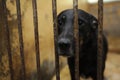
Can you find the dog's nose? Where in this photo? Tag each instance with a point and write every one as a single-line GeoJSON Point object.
{"type": "Point", "coordinates": [64, 44]}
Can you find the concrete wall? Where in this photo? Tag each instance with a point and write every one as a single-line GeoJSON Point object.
{"type": "Point", "coordinates": [45, 37]}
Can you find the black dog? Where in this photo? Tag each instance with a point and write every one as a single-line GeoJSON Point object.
{"type": "Point", "coordinates": [88, 26]}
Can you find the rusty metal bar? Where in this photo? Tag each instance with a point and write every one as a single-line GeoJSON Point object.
{"type": "Point", "coordinates": [100, 40]}
{"type": "Point", "coordinates": [36, 32]}
{"type": "Point", "coordinates": [7, 32]}
{"type": "Point", "coordinates": [23, 71]}
{"type": "Point", "coordinates": [76, 37]}
{"type": "Point", "coordinates": [54, 9]}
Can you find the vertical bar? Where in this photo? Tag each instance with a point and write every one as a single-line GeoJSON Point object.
{"type": "Point", "coordinates": [100, 40]}
{"type": "Point", "coordinates": [21, 39]}
{"type": "Point", "coordinates": [7, 32]}
{"type": "Point", "coordinates": [76, 36]}
{"type": "Point", "coordinates": [35, 17]}
{"type": "Point", "coordinates": [54, 9]}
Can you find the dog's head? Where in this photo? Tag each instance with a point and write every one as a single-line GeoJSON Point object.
{"type": "Point", "coordinates": [87, 29]}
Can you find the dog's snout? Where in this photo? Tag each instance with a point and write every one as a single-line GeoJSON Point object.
{"type": "Point", "coordinates": [64, 44]}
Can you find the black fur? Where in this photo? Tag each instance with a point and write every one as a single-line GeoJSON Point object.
{"type": "Point", "coordinates": [88, 26]}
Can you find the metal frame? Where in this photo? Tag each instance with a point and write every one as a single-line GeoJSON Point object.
{"type": "Point", "coordinates": [77, 39]}
{"type": "Point", "coordinates": [23, 70]}
{"type": "Point", "coordinates": [100, 40]}
{"type": "Point", "coordinates": [7, 34]}
{"type": "Point", "coordinates": [36, 32]}
{"type": "Point", "coordinates": [57, 68]}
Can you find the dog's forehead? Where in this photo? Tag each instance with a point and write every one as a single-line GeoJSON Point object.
{"type": "Point", "coordinates": [69, 14]}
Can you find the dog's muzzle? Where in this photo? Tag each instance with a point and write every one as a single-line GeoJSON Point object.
{"type": "Point", "coordinates": [65, 47]}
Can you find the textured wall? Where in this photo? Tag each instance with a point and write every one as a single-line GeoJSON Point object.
{"type": "Point", "coordinates": [45, 36]}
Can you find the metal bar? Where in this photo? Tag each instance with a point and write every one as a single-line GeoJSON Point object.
{"type": "Point", "coordinates": [23, 71]}
{"type": "Point", "coordinates": [100, 40]}
{"type": "Point", "coordinates": [7, 32]}
{"type": "Point", "coordinates": [35, 17]}
{"type": "Point", "coordinates": [54, 9]}
{"type": "Point", "coordinates": [76, 37]}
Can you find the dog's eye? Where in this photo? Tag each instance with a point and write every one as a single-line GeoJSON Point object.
{"type": "Point", "coordinates": [80, 22]}
{"type": "Point", "coordinates": [61, 20]}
